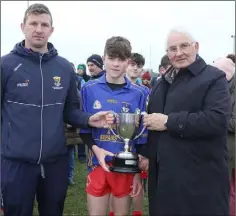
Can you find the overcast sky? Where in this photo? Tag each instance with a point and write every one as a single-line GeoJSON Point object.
{"type": "Point", "coordinates": [82, 27]}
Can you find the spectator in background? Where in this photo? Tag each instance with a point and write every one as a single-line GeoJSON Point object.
{"type": "Point", "coordinates": [82, 77]}
{"type": "Point", "coordinates": [232, 57]}
{"type": "Point", "coordinates": [95, 66]}
{"type": "Point", "coordinates": [81, 71]}
{"type": "Point", "coordinates": [228, 66]}
{"type": "Point", "coordinates": [146, 78]}
{"type": "Point", "coordinates": [139, 80]}
{"type": "Point", "coordinates": [80, 80]}
{"type": "Point", "coordinates": [134, 70]}
{"type": "Point", "coordinates": [164, 65]}
{"type": "Point", "coordinates": [69, 131]}
{"type": "Point", "coordinates": [72, 139]}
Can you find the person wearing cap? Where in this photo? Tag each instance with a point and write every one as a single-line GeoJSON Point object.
{"type": "Point", "coordinates": [81, 71]}
{"type": "Point", "coordinates": [146, 78]}
{"type": "Point", "coordinates": [82, 78]}
{"type": "Point", "coordinates": [95, 66]}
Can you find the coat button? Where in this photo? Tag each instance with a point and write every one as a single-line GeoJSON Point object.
{"type": "Point", "coordinates": [181, 126]}
{"type": "Point", "coordinates": [181, 135]}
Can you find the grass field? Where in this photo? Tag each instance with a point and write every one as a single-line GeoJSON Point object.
{"type": "Point", "coordinates": [75, 203]}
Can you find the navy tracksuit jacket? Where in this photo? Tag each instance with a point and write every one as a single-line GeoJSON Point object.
{"type": "Point", "coordinates": [39, 95]}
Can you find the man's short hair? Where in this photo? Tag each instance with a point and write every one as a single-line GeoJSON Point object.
{"type": "Point", "coordinates": [118, 47]}
{"type": "Point", "coordinates": [165, 62]}
{"type": "Point", "coordinates": [138, 59]}
{"type": "Point", "coordinates": [37, 9]}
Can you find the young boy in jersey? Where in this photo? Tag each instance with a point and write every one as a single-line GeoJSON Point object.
{"type": "Point", "coordinates": [113, 91]}
{"type": "Point", "coordinates": [135, 68]}
{"type": "Point", "coordinates": [133, 71]}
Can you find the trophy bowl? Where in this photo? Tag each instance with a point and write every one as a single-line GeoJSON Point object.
{"type": "Point", "coordinates": [127, 127]}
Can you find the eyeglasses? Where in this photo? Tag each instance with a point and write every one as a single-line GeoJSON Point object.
{"type": "Point", "coordinates": [182, 48]}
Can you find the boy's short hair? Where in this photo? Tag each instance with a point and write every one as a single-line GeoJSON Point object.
{"type": "Point", "coordinates": [138, 59]}
{"type": "Point", "coordinates": [118, 47]}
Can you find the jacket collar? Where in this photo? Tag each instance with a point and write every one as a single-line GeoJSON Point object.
{"type": "Point", "coordinates": [21, 50]}
{"type": "Point", "coordinates": [197, 66]}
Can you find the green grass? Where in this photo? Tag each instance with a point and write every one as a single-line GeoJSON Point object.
{"type": "Point", "coordinates": [75, 203]}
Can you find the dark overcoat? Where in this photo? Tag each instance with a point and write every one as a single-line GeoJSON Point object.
{"type": "Point", "coordinates": [188, 172]}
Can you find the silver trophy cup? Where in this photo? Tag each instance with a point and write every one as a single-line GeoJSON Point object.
{"type": "Point", "coordinates": [127, 127]}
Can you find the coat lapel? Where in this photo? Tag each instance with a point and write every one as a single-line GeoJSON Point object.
{"type": "Point", "coordinates": [157, 98]}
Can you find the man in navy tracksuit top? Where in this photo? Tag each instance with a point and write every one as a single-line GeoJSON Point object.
{"type": "Point", "coordinates": [39, 93]}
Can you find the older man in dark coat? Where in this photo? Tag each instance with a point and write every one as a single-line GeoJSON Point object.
{"type": "Point", "coordinates": [189, 112]}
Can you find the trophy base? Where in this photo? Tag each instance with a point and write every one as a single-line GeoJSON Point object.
{"type": "Point", "coordinates": [125, 162]}
{"type": "Point", "coordinates": [124, 170]}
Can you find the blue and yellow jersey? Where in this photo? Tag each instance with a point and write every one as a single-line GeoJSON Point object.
{"type": "Point", "coordinates": [97, 96]}
{"type": "Point", "coordinates": [146, 90]}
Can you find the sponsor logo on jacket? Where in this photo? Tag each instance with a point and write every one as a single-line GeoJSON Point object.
{"type": "Point", "coordinates": [24, 84]}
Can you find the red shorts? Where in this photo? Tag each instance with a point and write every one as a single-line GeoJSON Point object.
{"type": "Point", "coordinates": [100, 183]}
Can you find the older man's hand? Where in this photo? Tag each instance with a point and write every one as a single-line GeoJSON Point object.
{"type": "Point", "coordinates": [155, 121]}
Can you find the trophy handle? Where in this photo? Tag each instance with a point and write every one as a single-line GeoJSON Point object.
{"type": "Point", "coordinates": [117, 136]}
{"type": "Point", "coordinates": [144, 128]}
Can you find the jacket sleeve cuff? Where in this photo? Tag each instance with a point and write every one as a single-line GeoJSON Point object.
{"type": "Point", "coordinates": [176, 123]}
{"type": "Point", "coordinates": [88, 140]}
{"type": "Point", "coordinates": [142, 149]}
{"type": "Point", "coordinates": [78, 118]}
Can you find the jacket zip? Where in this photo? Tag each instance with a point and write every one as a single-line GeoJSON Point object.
{"type": "Point", "coordinates": [9, 128]}
{"type": "Point", "coordinates": [41, 117]}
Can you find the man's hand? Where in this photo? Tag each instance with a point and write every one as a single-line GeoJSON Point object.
{"type": "Point", "coordinates": [143, 163]}
{"type": "Point", "coordinates": [155, 121]}
{"type": "Point", "coordinates": [101, 119]}
{"type": "Point", "coordinates": [101, 154]}
{"type": "Point", "coordinates": [137, 186]}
